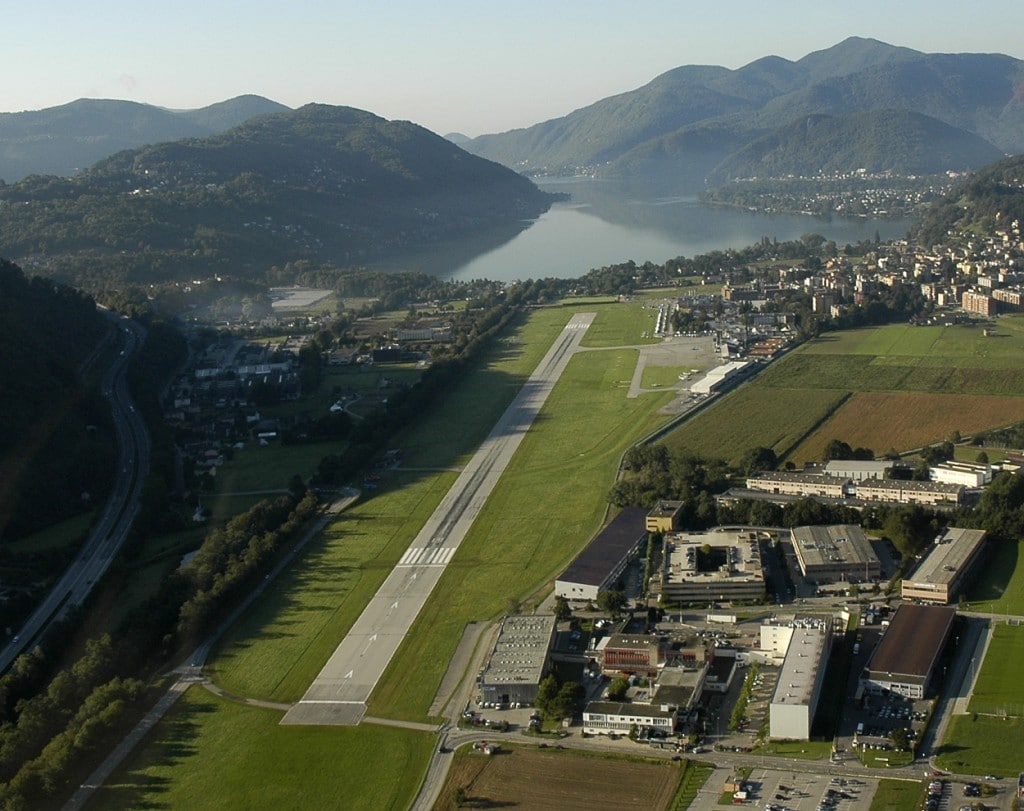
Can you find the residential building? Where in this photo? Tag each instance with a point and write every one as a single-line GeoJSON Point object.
{"type": "Point", "coordinates": [782, 482]}
{"type": "Point", "coordinates": [904, 491]}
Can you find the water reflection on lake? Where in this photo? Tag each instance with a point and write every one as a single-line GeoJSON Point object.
{"type": "Point", "coordinates": [604, 224]}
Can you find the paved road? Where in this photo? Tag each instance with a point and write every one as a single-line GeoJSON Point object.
{"type": "Point", "coordinates": [339, 693]}
{"type": "Point", "coordinates": [112, 528]}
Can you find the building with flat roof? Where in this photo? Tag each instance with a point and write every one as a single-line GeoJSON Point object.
{"type": "Point", "coordinates": [836, 553]}
{"type": "Point", "coordinates": [717, 377]}
{"type": "Point", "coordinates": [602, 561]}
{"type": "Point", "coordinates": [904, 661]}
{"type": "Point", "coordinates": [519, 660]}
{"type": "Point", "coordinates": [942, 572]}
{"type": "Point", "coordinates": [680, 687]}
{"type": "Point", "coordinates": [904, 491]}
{"type": "Point", "coordinates": [719, 565]}
{"type": "Point", "coordinates": [967, 474]}
{"type": "Point", "coordinates": [795, 483]}
{"type": "Point", "coordinates": [631, 653]}
{"type": "Point", "coordinates": [665, 516]}
{"type": "Point", "coordinates": [604, 717]}
{"type": "Point", "coordinates": [858, 469]}
{"type": "Point", "coordinates": [798, 689]}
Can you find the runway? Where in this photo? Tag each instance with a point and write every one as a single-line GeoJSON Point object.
{"type": "Point", "coordinates": [339, 693]}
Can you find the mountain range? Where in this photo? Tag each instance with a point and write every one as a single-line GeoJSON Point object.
{"type": "Point", "coordinates": [66, 139]}
{"type": "Point", "coordinates": [869, 105]}
{"type": "Point", "coordinates": [331, 185]}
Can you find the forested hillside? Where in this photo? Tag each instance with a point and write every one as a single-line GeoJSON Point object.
{"type": "Point", "coordinates": [330, 184]}
{"type": "Point", "coordinates": [65, 140]}
{"type": "Point", "coordinates": [681, 125]}
{"type": "Point", "coordinates": [54, 446]}
{"type": "Point", "coordinates": [991, 198]}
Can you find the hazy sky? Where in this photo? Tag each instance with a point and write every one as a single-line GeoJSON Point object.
{"type": "Point", "coordinates": [451, 65]}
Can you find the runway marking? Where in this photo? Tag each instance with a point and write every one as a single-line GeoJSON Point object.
{"type": "Point", "coordinates": [426, 556]}
{"type": "Point", "coordinates": [447, 525]}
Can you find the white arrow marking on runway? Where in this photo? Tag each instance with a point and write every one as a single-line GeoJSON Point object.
{"type": "Point", "coordinates": [349, 674]}
{"type": "Point", "coordinates": [394, 605]}
{"type": "Point", "coordinates": [373, 638]}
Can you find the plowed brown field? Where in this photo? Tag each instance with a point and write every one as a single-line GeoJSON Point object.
{"type": "Point", "coordinates": [553, 780]}
{"type": "Point", "coordinates": [906, 420]}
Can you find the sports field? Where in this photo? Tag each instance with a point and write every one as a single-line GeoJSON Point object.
{"type": "Point", "coordinates": [998, 587]}
{"type": "Point", "coordinates": [997, 690]}
{"type": "Point", "coordinates": [984, 740]}
{"type": "Point", "coordinates": [887, 388]}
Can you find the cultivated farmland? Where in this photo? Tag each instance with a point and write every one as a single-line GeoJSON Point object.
{"type": "Point", "coordinates": [559, 781]}
{"type": "Point", "coordinates": [896, 387]}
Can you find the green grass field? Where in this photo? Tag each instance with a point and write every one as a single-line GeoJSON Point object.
{"type": "Point", "coordinates": [998, 688]}
{"type": "Point", "coordinates": [897, 795]}
{"type": "Point", "coordinates": [982, 744]}
{"type": "Point", "coordinates": [754, 416]}
{"type": "Point", "coordinates": [621, 325]}
{"type": "Point", "coordinates": [998, 587]}
{"type": "Point", "coordinates": [209, 753]}
{"type": "Point", "coordinates": [59, 536]}
{"type": "Point", "coordinates": [982, 741]}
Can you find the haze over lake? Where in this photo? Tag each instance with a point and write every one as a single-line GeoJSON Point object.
{"type": "Point", "coordinates": [605, 224]}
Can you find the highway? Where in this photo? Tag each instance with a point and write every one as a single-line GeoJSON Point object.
{"type": "Point", "coordinates": [339, 693]}
{"type": "Point", "coordinates": [111, 529]}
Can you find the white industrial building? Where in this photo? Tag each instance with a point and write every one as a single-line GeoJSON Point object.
{"type": "Point", "coordinates": [966, 474]}
{"type": "Point", "coordinates": [800, 681]}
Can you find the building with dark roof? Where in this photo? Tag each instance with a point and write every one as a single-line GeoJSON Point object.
{"type": "Point", "coordinates": [905, 660]}
{"type": "Point", "coordinates": [602, 561]}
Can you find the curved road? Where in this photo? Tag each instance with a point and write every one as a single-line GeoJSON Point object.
{"type": "Point", "coordinates": [111, 529]}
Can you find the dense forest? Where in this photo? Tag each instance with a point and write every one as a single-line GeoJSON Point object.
{"type": "Point", "coordinates": [55, 447]}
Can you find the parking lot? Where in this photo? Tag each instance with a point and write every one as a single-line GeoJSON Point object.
{"type": "Point", "coordinates": [775, 790]}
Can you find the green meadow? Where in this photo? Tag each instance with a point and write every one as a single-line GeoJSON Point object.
{"type": "Point", "coordinates": [209, 753]}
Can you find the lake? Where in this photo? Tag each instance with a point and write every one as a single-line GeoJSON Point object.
{"type": "Point", "coordinates": [605, 224]}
